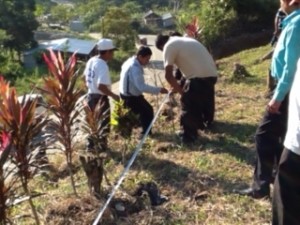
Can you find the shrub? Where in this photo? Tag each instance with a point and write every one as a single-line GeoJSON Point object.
{"type": "Point", "coordinates": [218, 17]}
{"type": "Point", "coordinates": [11, 70]}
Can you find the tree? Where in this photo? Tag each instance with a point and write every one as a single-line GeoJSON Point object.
{"type": "Point", "coordinates": [118, 28]}
{"type": "Point", "coordinates": [62, 13]}
{"type": "Point", "coordinates": [18, 20]}
{"type": "Point", "coordinates": [92, 11]}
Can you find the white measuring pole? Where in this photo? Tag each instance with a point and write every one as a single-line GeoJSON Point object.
{"type": "Point", "coordinates": [130, 162]}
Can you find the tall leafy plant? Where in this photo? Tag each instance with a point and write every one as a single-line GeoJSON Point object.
{"type": "Point", "coordinates": [61, 95]}
{"type": "Point", "coordinates": [5, 147]}
{"type": "Point", "coordinates": [21, 120]}
{"type": "Point", "coordinates": [93, 161]}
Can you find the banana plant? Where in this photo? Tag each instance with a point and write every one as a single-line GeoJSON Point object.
{"type": "Point", "coordinates": [61, 95]}
{"type": "Point", "coordinates": [25, 126]}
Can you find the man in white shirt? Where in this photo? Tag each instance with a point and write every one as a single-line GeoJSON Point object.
{"type": "Point", "coordinates": [98, 83]}
{"type": "Point", "coordinates": [198, 93]}
{"type": "Point", "coordinates": [132, 86]}
{"type": "Point", "coordinates": [286, 196]}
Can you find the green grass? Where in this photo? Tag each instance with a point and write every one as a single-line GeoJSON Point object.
{"type": "Point", "coordinates": [198, 180]}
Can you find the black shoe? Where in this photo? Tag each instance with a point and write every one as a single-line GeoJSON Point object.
{"type": "Point", "coordinates": [187, 140]}
{"type": "Point", "coordinates": [153, 192]}
{"type": "Point", "coordinates": [256, 194]}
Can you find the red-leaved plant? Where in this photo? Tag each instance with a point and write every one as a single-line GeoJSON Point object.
{"type": "Point", "coordinates": [192, 29]}
{"type": "Point", "coordinates": [5, 147]}
{"type": "Point", "coordinates": [61, 95]}
{"type": "Point", "coordinates": [93, 161]}
{"type": "Point", "coordinates": [24, 125]}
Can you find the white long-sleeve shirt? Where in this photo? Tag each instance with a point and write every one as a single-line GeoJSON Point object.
{"type": "Point", "coordinates": [132, 81]}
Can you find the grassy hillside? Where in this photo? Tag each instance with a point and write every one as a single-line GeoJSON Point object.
{"type": "Point", "coordinates": [198, 180]}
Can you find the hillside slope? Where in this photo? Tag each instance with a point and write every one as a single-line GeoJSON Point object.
{"type": "Point", "coordinates": [198, 180]}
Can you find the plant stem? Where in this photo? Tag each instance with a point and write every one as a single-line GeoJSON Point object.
{"type": "Point", "coordinates": [2, 200]}
{"type": "Point", "coordinates": [28, 193]}
{"type": "Point", "coordinates": [69, 162]}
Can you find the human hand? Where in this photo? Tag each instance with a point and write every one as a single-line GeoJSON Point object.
{"type": "Point", "coordinates": [273, 106]}
{"type": "Point", "coordinates": [116, 97]}
{"type": "Point", "coordinates": [163, 90]}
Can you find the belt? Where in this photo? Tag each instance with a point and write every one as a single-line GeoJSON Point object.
{"type": "Point", "coordinates": [130, 96]}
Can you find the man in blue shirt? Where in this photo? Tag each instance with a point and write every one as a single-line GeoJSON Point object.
{"type": "Point", "coordinates": [272, 129]}
{"type": "Point", "coordinates": [132, 86]}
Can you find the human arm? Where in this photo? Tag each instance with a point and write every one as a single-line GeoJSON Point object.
{"type": "Point", "coordinates": [291, 55]}
{"type": "Point", "coordinates": [171, 79]}
{"type": "Point", "coordinates": [276, 24]}
{"type": "Point", "coordinates": [138, 80]}
{"type": "Point", "coordinates": [106, 91]}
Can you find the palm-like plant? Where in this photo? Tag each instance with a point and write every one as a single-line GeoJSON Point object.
{"type": "Point", "coordinates": [5, 147]}
{"type": "Point", "coordinates": [61, 95]}
{"type": "Point", "coordinates": [20, 119]}
{"type": "Point", "coordinates": [92, 161]}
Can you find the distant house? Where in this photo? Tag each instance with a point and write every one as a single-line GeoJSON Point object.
{"type": "Point", "coordinates": [151, 18]}
{"type": "Point", "coordinates": [77, 25]}
{"type": "Point", "coordinates": [84, 49]}
{"type": "Point", "coordinates": [167, 20]}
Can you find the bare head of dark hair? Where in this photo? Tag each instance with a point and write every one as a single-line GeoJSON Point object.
{"type": "Point", "coordinates": [175, 33]}
{"type": "Point", "coordinates": [144, 51]}
{"type": "Point", "coordinates": [161, 40]}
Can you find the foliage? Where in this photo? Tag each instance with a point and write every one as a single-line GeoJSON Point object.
{"type": "Point", "coordinates": [11, 69]}
{"type": "Point", "coordinates": [116, 63]}
{"type": "Point", "coordinates": [123, 120]}
{"type": "Point", "coordinates": [4, 153]}
{"type": "Point", "coordinates": [93, 159]}
{"type": "Point", "coordinates": [20, 120]}
{"type": "Point", "coordinates": [255, 14]}
{"type": "Point", "coordinates": [219, 19]}
{"type": "Point", "coordinates": [18, 20]}
{"type": "Point", "coordinates": [43, 6]}
{"type": "Point", "coordinates": [3, 37]}
{"type": "Point", "coordinates": [92, 124]}
{"type": "Point", "coordinates": [118, 28]}
{"type": "Point", "coordinates": [61, 95]}
{"type": "Point", "coordinates": [62, 13]}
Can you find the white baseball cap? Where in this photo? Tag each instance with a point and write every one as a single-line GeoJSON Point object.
{"type": "Point", "coordinates": [105, 44]}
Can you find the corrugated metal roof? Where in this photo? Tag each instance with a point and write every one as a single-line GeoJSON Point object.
{"type": "Point", "coordinates": [70, 45]}
{"type": "Point", "coordinates": [149, 13]}
{"type": "Point", "coordinates": [166, 16]}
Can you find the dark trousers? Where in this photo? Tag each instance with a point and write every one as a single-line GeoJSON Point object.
{"type": "Point", "coordinates": [140, 106]}
{"type": "Point", "coordinates": [286, 196]}
{"type": "Point", "coordinates": [269, 139]}
{"type": "Point", "coordinates": [93, 100]}
{"type": "Point", "coordinates": [197, 105]}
